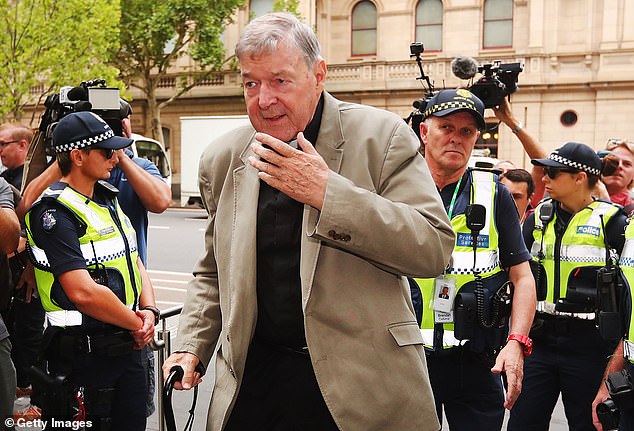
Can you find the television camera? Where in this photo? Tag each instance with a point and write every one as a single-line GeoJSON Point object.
{"type": "Point", "coordinates": [498, 81]}
{"type": "Point", "coordinates": [93, 95]}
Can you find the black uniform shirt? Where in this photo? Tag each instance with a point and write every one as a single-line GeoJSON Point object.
{"type": "Point", "coordinates": [279, 292]}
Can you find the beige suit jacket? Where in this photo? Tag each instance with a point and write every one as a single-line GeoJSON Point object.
{"type": "Point", "coordinates": [382, 219]}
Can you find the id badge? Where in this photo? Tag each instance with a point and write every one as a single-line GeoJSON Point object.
{"type": "Point", "coordinates": [444, 293]}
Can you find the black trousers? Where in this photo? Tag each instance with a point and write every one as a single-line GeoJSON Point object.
{"type": "Point", "coordinates": [470, 393]}
{"type": "Point", "coordinates": [122, 407]}
{"type": "Point", "coordinates": [569, 357]}
{"type": "Point", "coordinates": [26, 325]}
{"type": "Point", "coordinates": [279, 392]}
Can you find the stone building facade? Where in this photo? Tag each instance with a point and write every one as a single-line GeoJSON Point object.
{"type": "Point", "coordinates": [578, 57]}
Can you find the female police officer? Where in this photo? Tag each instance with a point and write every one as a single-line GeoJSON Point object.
{"type": "Point", "coordinates": [571, 237]}
{"type": "Point", "coordinates": [91, 283]}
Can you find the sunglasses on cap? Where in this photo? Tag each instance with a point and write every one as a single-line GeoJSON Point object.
{"type": "Point", "coordinates": [554, 172]}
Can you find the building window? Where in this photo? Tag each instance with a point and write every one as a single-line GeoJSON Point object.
{"type": "Point", "coordinates": [364, 29]}
{"type": "Point", "coordinates": [568, 118]}
{"type": "Point", "coordinates": [429, 24]}
{"type": "Point", "coordinates": [258, 8]}
{"type": "Point", "coordinates": [498, 24]}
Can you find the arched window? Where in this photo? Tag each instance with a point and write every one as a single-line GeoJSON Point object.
{"type": "Point", "coordinates": [429, 24]}
{"type": "Point", "coordinates": [498, 24]}
{"type": "Point", "coordinates": [260, 7]}
{"type": "Point", "coordinates": [364, 28]}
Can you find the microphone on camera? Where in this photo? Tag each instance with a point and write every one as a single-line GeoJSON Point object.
{"type": "Point", "coordinates": [464, 67]}
{"type": "Point", "coordinates": [77, 93]}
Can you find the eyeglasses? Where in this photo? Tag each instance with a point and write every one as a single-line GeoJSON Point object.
{"type": "Point", "coordinates": [4, 144]}
{"type": "Point", "coordinates": [554, 172]}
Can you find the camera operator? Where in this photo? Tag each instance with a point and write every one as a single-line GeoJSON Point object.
{"type": "Point", "coordinates": [534, 150]}
{"type": "Point", "coordinates": [463, 370]}
{"type": "Point", "coordinates": [571, 237]}
{"type": "Point", "coordinates": [618, 185]}
{"type": "Point", "coordinates": [90, 279]}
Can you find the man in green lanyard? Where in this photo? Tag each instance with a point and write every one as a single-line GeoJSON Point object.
{"type": "Point", "coordinates": [466, 330]}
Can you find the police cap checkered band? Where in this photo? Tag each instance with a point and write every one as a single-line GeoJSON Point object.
{"type": "Point", "coordinates": [573, 155]}
{"type": "Point", "coordinates": [446, 102]}
{"type": "Point", "coordinates": [85, 129]}
{"type": "Point", "coordinates": [573, 164]}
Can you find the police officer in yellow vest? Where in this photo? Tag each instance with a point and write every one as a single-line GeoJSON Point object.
{"type": "Point", "coordinates": [98, 300]}
{"type": "Point", "coordinates": [572, 238]}
{"type": "Point", "coordinates": [623, 356]}
{"type": "Point", "coordinates": [466, 334]}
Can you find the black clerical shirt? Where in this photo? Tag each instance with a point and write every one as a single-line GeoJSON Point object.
{"type": "Point", "coordinates": [279, 232]}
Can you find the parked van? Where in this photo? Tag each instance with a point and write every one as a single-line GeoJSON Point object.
{"type": "Point", "coordinates": [148, 148]}
{"type": "Point", "coordinates": [480, 158]}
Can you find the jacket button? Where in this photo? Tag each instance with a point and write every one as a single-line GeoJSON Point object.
{"type": "Point", "coordinates": [347, 238]}
{"type": "Point", "coordinates": [332, 234]}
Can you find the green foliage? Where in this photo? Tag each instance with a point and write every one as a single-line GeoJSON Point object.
{"type": "Point", "coordinates": [287, 6]}
{"type": "Point", "coordinates": [156, 33]}
{"type": "Point", "coordinates": [46, 44]}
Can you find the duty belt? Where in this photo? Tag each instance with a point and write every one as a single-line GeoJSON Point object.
{"type": "Point", "coordinates": [548, 308]}
{"type": "Point", "coordinates": [114, 344]}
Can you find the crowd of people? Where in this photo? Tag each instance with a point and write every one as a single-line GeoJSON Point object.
{"type": "Point", "coordinates": [354, 276]}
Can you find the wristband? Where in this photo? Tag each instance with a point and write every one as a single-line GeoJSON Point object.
{"type": "Point", "coordinates": [517, 128]}
{"type": "Point", "coordinates": [155, 311]}
{"type": "Point", "coordinates": [526, 342]}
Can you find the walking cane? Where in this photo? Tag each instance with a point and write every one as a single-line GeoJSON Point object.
{"type": "Point", "coordinates": [175, 375]}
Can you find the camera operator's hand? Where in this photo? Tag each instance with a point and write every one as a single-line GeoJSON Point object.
{"type": "Point", "coordinates": [188, 361]}
{"type": "Point", "coordinates": [602, 395]}
{"type": "Point", "coordinates": [504, 113]}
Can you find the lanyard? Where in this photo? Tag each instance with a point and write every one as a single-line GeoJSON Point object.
{"type": "Point", "coordinates": [453, 199]}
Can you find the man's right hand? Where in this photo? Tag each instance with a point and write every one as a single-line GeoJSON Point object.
{"type": "Point", "coordinates": [188, 362]}
{"type": "Point", "coordinates": [602, 395]}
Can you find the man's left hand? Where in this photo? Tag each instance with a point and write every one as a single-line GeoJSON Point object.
{"type": "Point", "coordinates": [511, 362]}
{"type": "Point", "coordinates": [27, 281]}
{"type": "Point", "coordinates": [301, 174]}
{"type": "Point", "coordinates": [145, 334]}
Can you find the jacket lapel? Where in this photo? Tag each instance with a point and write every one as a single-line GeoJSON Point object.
{"type": "Point", "coordinates": [243, 240]}
{"type": "Point", "coordinates": [329, 145]}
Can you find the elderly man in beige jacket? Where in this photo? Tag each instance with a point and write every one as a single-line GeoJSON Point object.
{"type": "Point", "coordinates": [316, 215]}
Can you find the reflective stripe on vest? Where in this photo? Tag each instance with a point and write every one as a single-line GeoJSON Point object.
{"type": "Point", "coordinates": [461, 263]}
{"type": "Point", "coordinates": [582, 245]}
{"type": "Point", "coordinates": [626, 262]}
{"type": "Point", "coordinates": [102, 243]}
